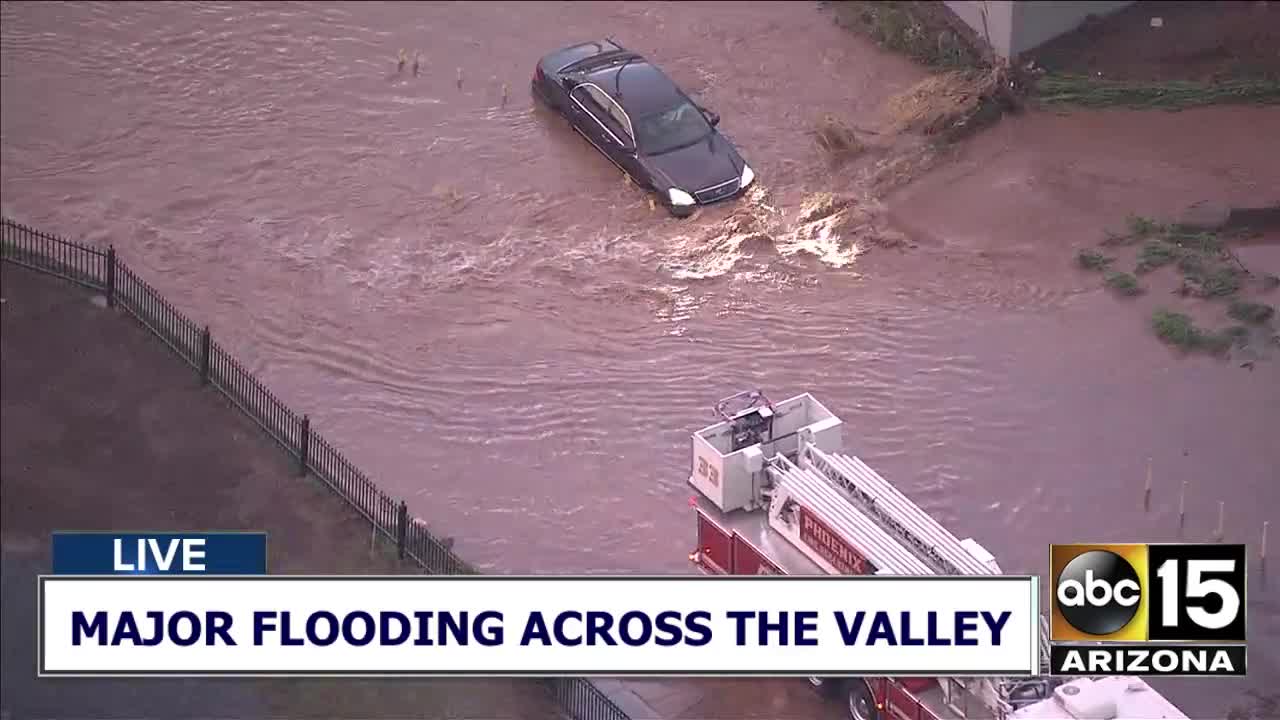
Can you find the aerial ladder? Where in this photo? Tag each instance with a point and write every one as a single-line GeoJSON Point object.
{"type": "Point", "coordinates": [778, 491]}
{"type": "Point", "coordinates": [853, 497]}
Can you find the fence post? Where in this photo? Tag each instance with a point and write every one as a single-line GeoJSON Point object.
{"type": "Point", "coordinates": [111, 276]}
{"type": "Point", "coordinates": [304, 444]}
{"type": "Point", "coordinates": [402, 526]}
{"type": "Point", "coordinates": [206, 341]}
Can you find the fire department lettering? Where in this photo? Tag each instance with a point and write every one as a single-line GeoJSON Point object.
{"type": "Point", "coordinates": [832, 548]}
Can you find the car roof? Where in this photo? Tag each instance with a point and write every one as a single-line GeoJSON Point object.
{"type": "Point", "coordinates": [637, 85]}
{"type": "Point", "coordinates": [561, 59]}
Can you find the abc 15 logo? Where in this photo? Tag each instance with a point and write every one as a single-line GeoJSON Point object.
{"type": "Point", "coordinates": [1142, 592]}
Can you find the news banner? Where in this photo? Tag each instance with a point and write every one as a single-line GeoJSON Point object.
{"type": "Point", "coordinates": [170, 604]}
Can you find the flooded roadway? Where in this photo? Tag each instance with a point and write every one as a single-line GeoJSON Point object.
{"type": "Point", "coordinates": [475, 307]}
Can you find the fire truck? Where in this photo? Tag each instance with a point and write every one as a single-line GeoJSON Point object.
{"type": "Point", "coordinates": [776, 495]}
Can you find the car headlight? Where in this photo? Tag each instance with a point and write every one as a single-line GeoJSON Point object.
{"type": "Point", "coordinates": [680, 197]}
{"type": "Point", "coordinates": [748, 176]}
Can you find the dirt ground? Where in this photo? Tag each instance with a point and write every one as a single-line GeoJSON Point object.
{"type": "Point", "coordinates": [1197, 41]}
{"type": "Point", "coordinates": [103, 428]}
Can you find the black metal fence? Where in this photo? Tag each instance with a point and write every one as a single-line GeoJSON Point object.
{"type": "Point", "coordinates": [102, 270]}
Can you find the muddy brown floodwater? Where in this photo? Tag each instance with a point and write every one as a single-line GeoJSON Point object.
{"type": "Point", "coordinates": [473, 304]}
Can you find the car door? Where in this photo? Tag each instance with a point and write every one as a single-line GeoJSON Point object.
{"type": "Point", "coordinates": [587, 117]}
{"type": "Point", "coordinates": [627, 157]}
{"type": "Point", "coordinates": [594, 120]}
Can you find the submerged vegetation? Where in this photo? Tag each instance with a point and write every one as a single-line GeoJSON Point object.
{"type": "Point", "coordinates": [972, 88]}
{"type": "Point", "coordinates": [1123, 283]}
{"type": "Point", "coordinates": [837, 139]}
{"type": "Point", "coordinates": [1179, 330]}
{"type": "Point", "coordinates": [915, 29]}
{"type": "Point", "coordinates": [1254, 313]}
{"type": "Point", "coordinates": [1093, 260]}
{"type": "Point", "coordinates": [1084, 91]}
{"type": "Point", "coordinates": [1207, 268]}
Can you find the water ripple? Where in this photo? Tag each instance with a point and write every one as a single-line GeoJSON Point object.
{"type": "Point", "coordinates": [485, 317]}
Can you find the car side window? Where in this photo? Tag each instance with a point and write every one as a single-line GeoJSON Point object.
{"type": "Point", "coordinates": [605, 110]}
{"type": "Point", "coordinates": [619, 117]}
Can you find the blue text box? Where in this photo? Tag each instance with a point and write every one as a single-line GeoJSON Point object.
{"type": "Point", "coordinates": [107, 553]}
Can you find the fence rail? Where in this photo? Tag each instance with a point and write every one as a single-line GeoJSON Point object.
{"type": "Point", "coordinates": [101, 269]}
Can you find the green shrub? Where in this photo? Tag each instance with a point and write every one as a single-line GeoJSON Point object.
{"type": "Point", "coordinates": [1155, 254]}
{"type": "Point", "coordinates": [1093, 260]}
{"type": "Point", "coordinates": [1143, 227]}
{"type": "Point", "coordinates": [1253, 313]}
{"type": "Point", "coordinates": [1175, 329]}
{"type": "Point", "coordinates": [1220, 282]}
{"type": "Point", "coordinates": [1123, 283]}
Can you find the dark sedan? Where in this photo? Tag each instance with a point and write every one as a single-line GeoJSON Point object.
{"type": "Point", "coordinates": [638, 118]}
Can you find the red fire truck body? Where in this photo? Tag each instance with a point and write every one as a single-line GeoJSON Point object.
{"type": "Point", "coordinates": [777, 496]}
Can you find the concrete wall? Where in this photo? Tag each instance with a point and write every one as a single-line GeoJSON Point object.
{"type": "Point", "coordinates": [999, 20]}
{"type": "Point", "coordinates": [1016, 26]}
{"type": "Point", "coordinates": [1035, 23]}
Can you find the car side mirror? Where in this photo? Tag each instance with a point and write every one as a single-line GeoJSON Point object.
{"type": "Point", "coordinates": [712, 117]}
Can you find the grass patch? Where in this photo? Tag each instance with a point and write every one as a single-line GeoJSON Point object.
{"type": "Point", "coordinates": [1253, 313]}
{"type": "Point", "coordinates": [1218, 282]}
{"type": "Point", "coordinates": [1155, 254]}
{"type": "Point", "coordinates": [911, 28]}
{"type": "Point", "coordinates": [1123, 283]}
{"type": "Point", "coordinates": [1175, 329]}
{"type": "Point", "coordinates": [1192, 265]}
{"type": "Point", "coordinates": [1208, 268]}
{"type": "Point", "coordinates": [1178, 330]}
{"type": "Point", "coordinates": [1201, 242]}
{"type": "Point", "coordinates": [1141, 227]}
{"type": "Point", "coordinates": [1085, 91]}
{"type": "Point", "coordinates": [1136, 228]}
{"type": "Point", "coordinates": [1093, 260]}
{"type": "Point", "coordinates": [1201, 257]}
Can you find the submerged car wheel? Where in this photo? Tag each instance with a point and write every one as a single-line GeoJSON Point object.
{"type": "Point", "coordinates": [862, 704]}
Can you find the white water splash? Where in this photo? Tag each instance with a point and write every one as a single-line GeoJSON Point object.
{"type": "Point", "coordinates": [827, 227]}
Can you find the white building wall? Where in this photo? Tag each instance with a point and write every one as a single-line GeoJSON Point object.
{"type": "Point", "coordinates": [1016, 26]}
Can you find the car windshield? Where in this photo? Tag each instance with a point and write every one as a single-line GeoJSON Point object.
{"type": "Point", "coordinates": [677, 127]}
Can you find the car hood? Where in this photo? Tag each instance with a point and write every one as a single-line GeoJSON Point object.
{"type": "Point", "coordinates": [710, 161]}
